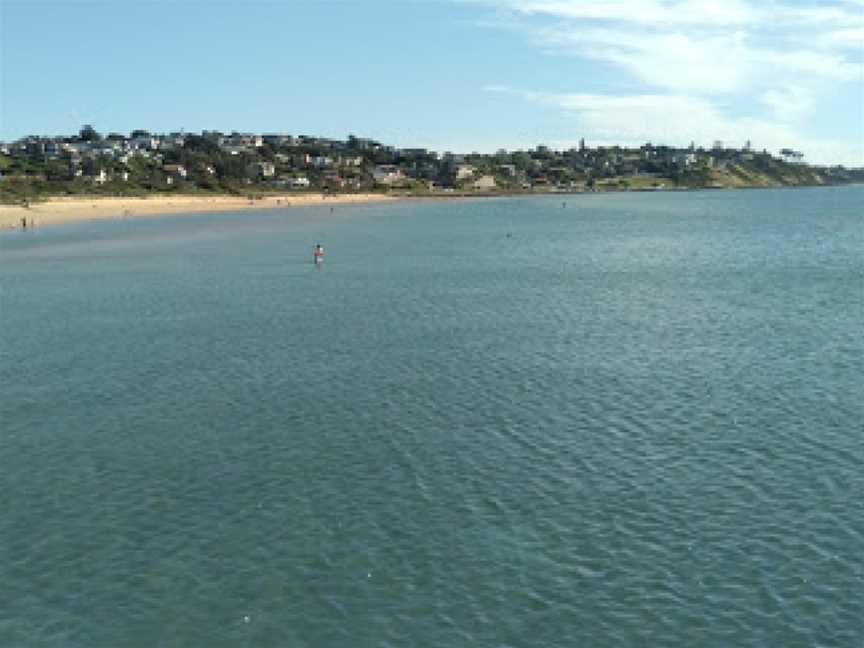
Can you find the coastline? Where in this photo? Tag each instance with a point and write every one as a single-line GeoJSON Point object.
{"type": "Point", "coordinates": [58, 211]}
{"type": "Point", "coordinates": [75, 209]}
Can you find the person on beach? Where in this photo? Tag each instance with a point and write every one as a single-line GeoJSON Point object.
{"type": "Point", "coordinates": [318, 254]}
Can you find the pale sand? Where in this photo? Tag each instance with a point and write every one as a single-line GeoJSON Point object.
{"type": "Point", "coordinates": [66, 210]}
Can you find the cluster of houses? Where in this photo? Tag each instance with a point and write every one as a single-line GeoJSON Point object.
{"type": "Point", "coordinates": [305, 162]}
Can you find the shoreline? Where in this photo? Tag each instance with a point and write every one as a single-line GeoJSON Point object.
{"type": "Point", "coordinates": [77, 209]}
{"type": "Point", "coordinates": [59, 211]}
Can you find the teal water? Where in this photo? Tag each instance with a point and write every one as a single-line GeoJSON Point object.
{"type": "Point", "coordinates": [634, 421]}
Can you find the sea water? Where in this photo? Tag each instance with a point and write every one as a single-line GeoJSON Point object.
{"type": "Point", "coordinates": [597, 420]}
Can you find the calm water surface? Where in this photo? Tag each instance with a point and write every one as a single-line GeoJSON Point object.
{"type": "Point", "coordinates": [634, 421]}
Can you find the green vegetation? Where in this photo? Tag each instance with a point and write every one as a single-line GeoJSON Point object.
{"type": "Point", "coordinates": [143, 163]}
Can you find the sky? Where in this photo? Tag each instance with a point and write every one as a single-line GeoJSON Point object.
{"type": "Point", "coordinates": [449, 75]}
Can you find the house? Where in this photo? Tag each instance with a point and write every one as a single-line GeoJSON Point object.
{"type": "Point", "coordinates": [247, 140]}
{"type": "Point", "coordinates": [682, 159]}
{"type": "Point", "coordinates": [52, 150]}
{"type": "Point", "coordinates": [463, 171]}
{"type": "Point", "coordinates": [333, 181]}
{"type": "Point", "coordinates": [144, 142]}
{"type": "Point", "coordinates": [278, 140]}
{"type": "Point", "coordinates": [387, 174]}
{"type": "Point", "coordinates": [108, 147]}
{"type": "Point", "coordinates": [234, 149]}
{"type": "Point", "coordinates": [484, 182]}
{"type": "Point", "coordinates": [35, 148]}
{"type": "Point", "coordinates": [413, 152]}
{"type": "Point", "coordinates": [77, 148]}
{"type": "Point", "coordinates": [300, 182]}
{"type": "Point", "coordinates": [790, 156]}
{"type": "Point", "coordinates": [172, 141]}
{"type": "Point", "coordinates": [508, 169]}
{"type": "Point", "coordinates": [261, 170]}
{"type": "Point", "coordinates": [174, 173]}
{"type": "Point", "coordinates": [177, 170]}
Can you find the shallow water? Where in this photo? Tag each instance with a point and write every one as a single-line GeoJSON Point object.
{"type": "Point", "coordinates": [634, 421]}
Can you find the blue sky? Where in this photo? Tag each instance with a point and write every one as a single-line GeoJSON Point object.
{"type": "Point", "coordinates": [455, 75]}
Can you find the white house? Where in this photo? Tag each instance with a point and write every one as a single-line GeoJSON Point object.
{"type": "Point", "coordinates": [791, 156]}
{"type": "Point", "coordinates": [145, 142]}
{"type": "Point", "coordinates": [484, 182]}
{"type": "Point", "coordinates": [234, 149]}
{"type": "Point", "coordinates": [462, 171]}
{"type": "Point", "coordinates": [387, 174]}
{"type": "Point", "coordinates": [262, 169]}
{"type": "Point", "coordinates": [176, 170]}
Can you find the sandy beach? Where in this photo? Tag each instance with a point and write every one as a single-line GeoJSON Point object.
{"type": "Point", "coordinates": [66, 210]}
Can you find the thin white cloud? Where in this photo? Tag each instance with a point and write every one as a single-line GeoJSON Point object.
{"type": "Point", "coordinates": [704, 47]}
{"type": "Point", "coordinates": [706, 64]}
{"type": "Point", "coordinates": [690, 12]}
{"type": "Point", "coordinates": [667, 60]}
{"type": "Point", "coordinates": [852, 37]}
{"type": "Point", "coordinates": [696, 59]}
{"type": "Point", "coordinates": [789, 104]}
{"type": "Point", "coordinates": [673, 14]}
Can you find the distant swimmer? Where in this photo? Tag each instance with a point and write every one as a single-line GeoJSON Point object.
{"type": "Point", "coordinates": [318, 254]}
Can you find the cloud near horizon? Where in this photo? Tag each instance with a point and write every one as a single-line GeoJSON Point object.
{"type": "Point", "coordinates": [705, 69]}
